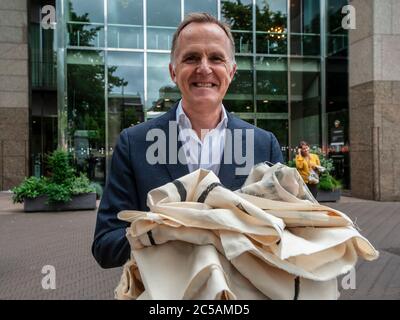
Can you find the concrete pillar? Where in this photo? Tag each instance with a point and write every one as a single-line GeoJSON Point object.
{"type": "Point", "coordinates": [374, 68]}
{"type": "Point", "coordinates": [14, 93]}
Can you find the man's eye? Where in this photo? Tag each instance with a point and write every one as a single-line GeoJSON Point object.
{"type": "Point", "coordinates": [190, 59]}
{"type": "Point", "coordinates": [217, 59]}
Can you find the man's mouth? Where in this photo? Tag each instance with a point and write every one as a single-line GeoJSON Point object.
{"type": "Point", "coordinates": [204, 84]}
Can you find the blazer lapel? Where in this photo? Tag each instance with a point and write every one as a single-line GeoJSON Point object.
{"type": "Point", "coordinates": [173, 165]}
{"type": "Point", "coordinates": [227, 171]}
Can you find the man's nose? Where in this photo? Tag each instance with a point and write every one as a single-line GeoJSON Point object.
{"type": "Point", "coordinates": [204, 66]}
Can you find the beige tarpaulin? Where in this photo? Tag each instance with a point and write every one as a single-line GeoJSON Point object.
{"type": "Point", "coordinates": [268, 240]}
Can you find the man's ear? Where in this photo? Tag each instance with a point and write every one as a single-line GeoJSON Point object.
{"type": "Point", "coordinates": [233, 71]}
{"type": "Point", "coordinates": [172, 72]}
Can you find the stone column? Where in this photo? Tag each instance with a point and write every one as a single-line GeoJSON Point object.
{"type": "Point", "coordinates": [14, 93]}
{"type": "Point", "coordinates": [374, 60]}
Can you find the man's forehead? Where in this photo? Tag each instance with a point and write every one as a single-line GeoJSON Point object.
{"type": "Point", "coordinates": [197, 29]}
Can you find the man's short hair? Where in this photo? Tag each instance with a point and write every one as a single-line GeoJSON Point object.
{"type": "Point", "coordinates": [203, 17]}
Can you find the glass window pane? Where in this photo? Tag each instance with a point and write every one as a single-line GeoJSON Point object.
{"type": "Point", "coordinates": [162, 21]}
{"type": "Point", "coordinates": [126, 92]}
{"type": "Point", "coordinates": [239, 97]}
{"type": "Point", "coordinates": [272, 98]}
{"type": "Point", "coordinates": [125, 24]}
{"type": "Point", "coordinates": [271, 89]}
{"type": "Point", "coordinates": [271, 26]}
{"type": "Point", "coordinates": [128, 12]}
{"type": "Point", "coordinates": [239, 15]}
{"type": "Point", "coordinates": [305, 101]}
{"type": "Point", "coordinates": [337, 37]}
{"type": "Point", "coordinates": [162, 92]}
{"type": "Point", "coordinates": [160, 38]}
{"type": "Point", "coordinates": [85, 35]}
{"type": "Point", "coordinates": [130, 37]}
{"type": "Point", "coordinates": [163, 13]}
{"type": "Point", "coordinates": [86, 114]}
{"type": "Point", "coordinates": [86, 11]}
{"type": "Point", "coordinates": [305, 27]}
{"type": "Point", "coordinates": [209, 6]}
{"type": "Point", "coordinates": [280, 128]}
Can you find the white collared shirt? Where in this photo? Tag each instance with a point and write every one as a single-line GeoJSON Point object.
{"type": "Point", "coordinates": [206, 154]}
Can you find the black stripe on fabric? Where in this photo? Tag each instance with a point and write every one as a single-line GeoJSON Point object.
{"type": "Point", "coordinates": [296, 288]}
{"type": "Point", "coordinates": [205, 193]}
{"type": "Point", "coordinates": [150, 235]}
{"type": "Point", "coordinates": [181, 189]}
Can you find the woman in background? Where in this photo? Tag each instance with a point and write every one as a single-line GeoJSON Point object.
{"type": "Point", "coordinates": [306, 164]}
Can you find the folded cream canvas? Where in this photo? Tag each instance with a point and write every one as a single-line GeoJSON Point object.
{"type": "Point", "coordinates": [269, 240]}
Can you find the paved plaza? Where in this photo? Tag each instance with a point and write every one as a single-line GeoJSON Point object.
{"type": "Point", "coordinates": [29, 241]}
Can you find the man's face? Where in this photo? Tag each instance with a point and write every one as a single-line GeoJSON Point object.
{"type": "Point", "coordinates": [202, 66]}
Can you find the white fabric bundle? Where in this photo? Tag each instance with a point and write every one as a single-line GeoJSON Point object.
{"type": "Point", "coordinates": [269, 240]}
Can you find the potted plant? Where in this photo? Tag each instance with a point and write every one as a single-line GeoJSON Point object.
{"type": "Point", "coordinates": [62, 190]}
{"type": "Point", "coordinates": [328, 188]}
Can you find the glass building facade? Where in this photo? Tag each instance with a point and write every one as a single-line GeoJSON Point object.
{"type": "Point", "coordinates": [111, 72]}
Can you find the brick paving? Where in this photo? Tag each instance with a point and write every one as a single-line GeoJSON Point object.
{"type": "Point", "coordinates": [29, 241]}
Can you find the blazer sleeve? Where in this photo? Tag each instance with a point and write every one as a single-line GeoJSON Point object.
{"type": "Point", "coordinates": [110, 246]}
{"type": "Point", "coordinates": [276, 153]}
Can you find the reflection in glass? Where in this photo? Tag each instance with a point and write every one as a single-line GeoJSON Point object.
{"type": "Point", "coordinates": [272, 98]}
{"type": "Point", "coordinates": [271, 26]}
{"type": "Point", "coordinates": [162, 21]}
{"type": "Point", "coordinates": [125, 24]}
{"type": "Point", "coordinates": [163, 14]}
{"type": "Point", "coordinates": [271, 85]}
{"type": "Point", "coordinates": [239, 16]}
{"type": "Point", "coordinates": [305, 101]}
{"type": "Point", "coordinates": [130, 37]}
{"type": "Point", "coordinates": [162, 92]}
{"type": "Point", "coordinates": [280, 129]}
{"type": "Point", "coordinates": [85, 35]}
{"type": "Point", "coordinates": [129, 12]}
{"type": "Point", "coordinates": [209, 6]}
{"type": "Point", "coordinates": [337, 36]}
{"type": "Point", "coordinates": [126, 92]}
{"type": "Point", "coordinates": [86, 11]}
{"type": "Point", "coordinates": [305, 27]}
{"type": "Point", "coordinates": [337, 109]}
{"type": "Point", "coordinates": [239, 97]}
{"type": "Point", "coordinates": [86, 114]}
{"type": "Point", "coordinates": [85, 25]}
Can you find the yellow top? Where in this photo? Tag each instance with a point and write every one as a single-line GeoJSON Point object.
{"type": "Point", "coordinates": [305, 165]}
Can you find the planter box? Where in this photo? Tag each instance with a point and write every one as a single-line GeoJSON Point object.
{"type": "Point", "coordinates": [328, 196]}
{"type": "Point", "coordinates": [85, 201]}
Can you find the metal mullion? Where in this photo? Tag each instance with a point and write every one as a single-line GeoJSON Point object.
{"type": "Point", "coordinates": [254, 62]}
{"type": "Point", "coordinates": [289, 79]}
{"type": "Point", "coordinates": [106, 144]}
{"type": "Point", "coordinates": [145, 57]}
{"type": "Point", "coordinates": [324, 135]}
{"type": "Point", "coordinates": [61, 76]}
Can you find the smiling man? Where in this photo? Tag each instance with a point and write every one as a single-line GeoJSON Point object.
{"type": "Point", "coordinates": [202, 65]}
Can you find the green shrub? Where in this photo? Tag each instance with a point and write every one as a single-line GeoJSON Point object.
{"type": "Point", "coordinates": [328, 183]}
{"type": "Point", "coordinates": [31, 187]}
{"type": "Point", "coordinates": [61, 184]}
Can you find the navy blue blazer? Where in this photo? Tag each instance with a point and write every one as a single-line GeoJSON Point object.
{"type": "Point", "coordinates": [131, 177]}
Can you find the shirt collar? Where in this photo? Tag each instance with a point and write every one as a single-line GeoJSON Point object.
{"type": "Point", "coordinates": [184, 121]}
